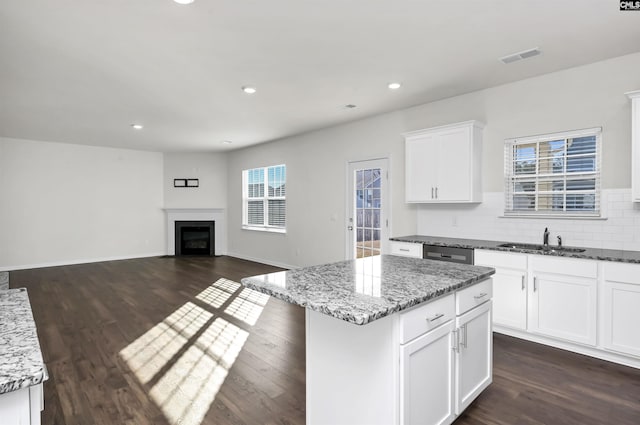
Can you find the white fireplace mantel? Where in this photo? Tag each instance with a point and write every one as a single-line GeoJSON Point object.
{"type": "Point", "coordinates": [219, 215]}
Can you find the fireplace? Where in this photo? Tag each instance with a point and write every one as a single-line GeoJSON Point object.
{"type": "Point", "coordinates": [195, 238]}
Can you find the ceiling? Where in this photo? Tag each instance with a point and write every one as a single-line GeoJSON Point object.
{"type": "Point", "coordinates": [84, 71]}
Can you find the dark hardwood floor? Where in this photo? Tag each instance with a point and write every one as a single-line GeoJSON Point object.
{"type": "Point", "coordinates": [120, 339]}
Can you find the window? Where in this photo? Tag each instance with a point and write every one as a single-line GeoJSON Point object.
{"type": "Point", "coordinates": [264, 201]}
{"type": "Point", "coordinates": [553, 174]}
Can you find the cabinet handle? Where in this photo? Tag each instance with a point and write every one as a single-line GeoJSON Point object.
{"type": "Point", "coordinates": [482, 295]}
{"type": "Point", "coordinates": [456, 342]}
{"type": "Point", "coordinates": [431, 193]}
{"type": "Point", "coordinates": [535, 281]}
{"type": "Point", "coordinates": [404, 249]}
{"type": "Point", "coordinates": [464, 339]}
{"type": "Point", "coordinates": [436, 193]}
{"type": "Point", "coordinates": [523, 282]}
{"type": "Point", "coordinates": [436, 317]}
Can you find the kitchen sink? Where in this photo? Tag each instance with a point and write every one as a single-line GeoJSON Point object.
{"type": "Point", "coordinates": [535, 247]}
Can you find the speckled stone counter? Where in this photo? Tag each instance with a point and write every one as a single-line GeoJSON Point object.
{"type": "Point", "coordinates": [361, 291]}
{"type": "Point", "coordinates": [589, 253]}
{"type": "Point", "coordinates": [21, 363]}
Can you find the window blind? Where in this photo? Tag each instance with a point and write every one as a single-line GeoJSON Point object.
{"type": "Point", "coordinates": [554, 174]}
{"type": "Point", "coordinates": [264, 198]}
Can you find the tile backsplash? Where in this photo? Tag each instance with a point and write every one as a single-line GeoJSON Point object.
{"type": "Point", "coordinates": [619, 227]}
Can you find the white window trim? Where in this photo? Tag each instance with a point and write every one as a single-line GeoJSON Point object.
{"type": "Point", "coordinates": [508, 149]}
{"type": "Point", "coordinates": [265, 199]}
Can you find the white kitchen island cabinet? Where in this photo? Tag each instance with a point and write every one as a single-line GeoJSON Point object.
{"type": "Point", "coordinates": [424, 329]}
{"type": "Point", "coordinates": [22, 370]}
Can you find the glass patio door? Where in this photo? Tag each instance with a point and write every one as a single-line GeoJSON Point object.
{"type": "Point", "coordinates": [367, 219]}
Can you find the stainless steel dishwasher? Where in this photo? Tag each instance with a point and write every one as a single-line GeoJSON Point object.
{"type": "Point", "coordinates": [445, 253]}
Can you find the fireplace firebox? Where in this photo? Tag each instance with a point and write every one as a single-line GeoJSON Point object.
{"type": "Point", "coordinates": [195, 238]}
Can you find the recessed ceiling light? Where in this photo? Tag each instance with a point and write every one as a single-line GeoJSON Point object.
{"type": "Point", "coordinates": [137, 126]}
{"type": "Point", "coordinates": [394, 86]}
{"type": "Point", "coordinates": [350, 106]}
{"type": "Point", "coordinates": [183, 1]}
{"type": "Point", "coordinates": [227, 142]}
{"type": "Point", "coordinates": [249, 90]}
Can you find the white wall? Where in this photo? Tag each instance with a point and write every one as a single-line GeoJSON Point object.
{"type": "Point", "coordinates": [64, 204]}
{"type": "Point", "coordinates": [316, 190]}
{"type": "Point", "coordinates": [582, 97]}
{"type": "Point", "coordinates": [209, 168]}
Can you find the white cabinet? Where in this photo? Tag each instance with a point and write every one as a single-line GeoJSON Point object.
{"type": "Point", "coordinates": [563, 299]}
{"type": "Point", "coordinates": [635, 145]}
{"type": "Point", "coordinates": [473, 358]}
{"type": "Point", "coordinates": [509, 286]}
{"type": "Point", "coordinates": [444, 369]}
{"type": "Point", "coordinates": [406, 249]}
{"type": "Point", "coordinates": [23, 406]}
{"type": "Point", "coordinates": [426, 383]}
{"type": "Point", "coordinates": [621, 308]}
{"type": "Point", "coordinates": [443, 164]}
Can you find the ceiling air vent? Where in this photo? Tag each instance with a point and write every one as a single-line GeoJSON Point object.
{"type": "Point", "coordinates": [520, 55]}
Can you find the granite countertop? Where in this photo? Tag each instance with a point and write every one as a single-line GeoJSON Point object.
{"type": "Point", "coordinates": [589, 253]}
{"type": "Point", "coordinates": [21, 363]}
{"type": "Point", "coordinates": [361, 291]}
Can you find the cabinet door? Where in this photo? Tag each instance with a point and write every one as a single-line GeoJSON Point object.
{"type": "Point", "coordinates": [454, 165]}
{"type": "Point", "coordinates": [621, 308]}
{"type": "Point", "coordinates": [474, 356]}
{"type": "Point", "coordinates": [510, 298]}
{"type": "Point", "coordinates": [421, 160]}
{"type": "Point", "coordinates": [509, 286]}
{"type": "Point", "coordinates": [564, 307]}
{"type": "Point", "coordinates": [426, 378]}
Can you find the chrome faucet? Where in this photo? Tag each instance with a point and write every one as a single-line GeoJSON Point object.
{"type": "Point", "coordinates": [559, 241]}
{"type": "Point", "coordinates": [545, 238]}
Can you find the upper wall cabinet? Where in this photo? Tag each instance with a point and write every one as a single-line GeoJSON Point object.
{"type": "Point", "coordinates": [635, 144]}
{"type": "Point", "coordinates": [443, 164]}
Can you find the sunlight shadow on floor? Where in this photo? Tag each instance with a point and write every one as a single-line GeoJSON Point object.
{"type": "Point", "coordinates": [184, 360]}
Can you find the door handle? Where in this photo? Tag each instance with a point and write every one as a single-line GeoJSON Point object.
{"type": "Point", "coordinates": [535, 281]}
{"type": "Point", "coordinates": [523, 282]}
{"type": "Point", "coordinates": [349, 227]}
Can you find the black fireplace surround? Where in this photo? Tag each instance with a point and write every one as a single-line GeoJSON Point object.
{"type": "Point", "coordinates": [195, 238]}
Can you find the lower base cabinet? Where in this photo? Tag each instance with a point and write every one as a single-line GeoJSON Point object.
{"type": "Point", "coordinates": [422, 366]}
{"type": "Point", "coordinates": [621, 308]}
{"type": "Point", "coordinates": [444, 370]}
{"type": "Point", "coordinates": [474, 355]}
{"type": "Point", "coordinates": [22, 407]}
{"type": "Point", "coordinates": [426, 388]}
{"type": "Point", "coordinates": [586, 306]}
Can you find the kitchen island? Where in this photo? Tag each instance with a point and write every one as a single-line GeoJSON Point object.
{"type": "Point", "coordinates": [22, 369]}
{"type": "Point", "coordinates": [390, 340]}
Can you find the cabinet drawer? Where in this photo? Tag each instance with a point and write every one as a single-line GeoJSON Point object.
{"type": "Point", "coordinates": [565, 266]}
{"type": "Point", "coordinates": [624, 273]}
{"type": "Point", "coordinates": [423, 318]}
{"type": "Point", "coordinates": [500, 259]}
{"type": "Point", "coordinates": [472, 296]}
{"type": "Point", "coordinates": [406, 249]}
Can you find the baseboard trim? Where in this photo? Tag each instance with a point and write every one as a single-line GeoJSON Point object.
{"type": "Point", "coordinates": [79, 261]}
{"type": "Point", "coordinates": [261, 260]}
{"type": "Point", "coordinates": [596, 352]}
